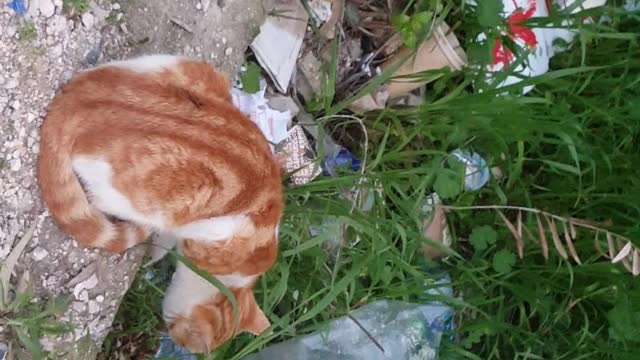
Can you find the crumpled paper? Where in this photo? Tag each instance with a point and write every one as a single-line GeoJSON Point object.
{"type": "Point", "coordinates": [272, 123]}
{"type": "Point", "coordinates": [299, 158]}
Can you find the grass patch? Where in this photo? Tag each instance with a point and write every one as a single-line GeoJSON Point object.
{"type": "Point", "coordinates": [569, 148]}
{"type": "Point", "coordinates": [78, 7]}
{"type": "Point", "coordinates": [27, 31]}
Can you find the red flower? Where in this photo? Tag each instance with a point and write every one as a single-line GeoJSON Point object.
{"type": "Point", "coordinates": [501, 54]}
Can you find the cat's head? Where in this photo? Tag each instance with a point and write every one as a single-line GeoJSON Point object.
{"type": "Point", "coordinates": [208, 325]}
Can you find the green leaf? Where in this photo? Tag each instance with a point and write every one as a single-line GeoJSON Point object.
{"type": "Point", "coordinates": [624, 322]}
{"type": "Point", "coordinates": [250, 78]}
{"type": "Point", "coordinates": [503, 260]}
{"type": "Point", "coordinates": [447, 185]}
{"type": "Point", "coordinates": [489, 13]}
{"type": "Point", "coordinates": [482, 236]}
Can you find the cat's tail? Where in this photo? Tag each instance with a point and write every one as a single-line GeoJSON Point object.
{"type": "Point", "coordinates": [67, 201]}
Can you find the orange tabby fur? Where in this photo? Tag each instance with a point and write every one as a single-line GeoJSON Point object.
{"type": "Point", "coordinates": [171, 143]}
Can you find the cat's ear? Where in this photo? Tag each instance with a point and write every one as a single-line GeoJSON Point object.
{"type": "Point", "coordinates": [257, 323]}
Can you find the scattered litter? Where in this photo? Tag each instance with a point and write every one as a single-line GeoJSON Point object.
{"type": "Point", "coordinates": [476, 169]}
{"type": "Point", "coordinates": [632, 5]}
{"type": "Point", "coordinates": [181, 24]}
{"type": "Point", "coordinates": [299, 157]}
{"type": "Point", "coordinates": [278, 44]}
{"type": "Point", "coordinates": [435, 226]}
{"type": "Point", "coordinates": [342, 159]}
{"type": "Point", "coordinates": [540, 42]}
{"type": "Point", "coordinates": [17, 6]}
{"type": "Point", "coordinates": [379, 330]}
{"type": "Point", "coordinates": [283, 103]}
{"type": "Point", "coordinates": [332, 231]}
{"type": "Point", "coordinates": [311, 71]}
{"type": "Point", "coordinates": [442, 49]}
{"type": "Point", "coordinates": [377, 100]}
{"type": "Point", "coordinates": [168, 349]}
{"type": "Point", "coordinates": [4, 351]}
{"type": "Point", "coordinates": [328, 30]}
{"type": "Point", "coordinates": [320, 11]}
{"type": "Point", "coordinates": [272, 123]}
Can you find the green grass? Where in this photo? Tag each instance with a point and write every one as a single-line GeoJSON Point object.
{"type": "Point", "coordinates": [76, 6]}
{"type": "Point", "coordinates": [27, 32]}
{"type": "Point", "coordinates": [569, 147]}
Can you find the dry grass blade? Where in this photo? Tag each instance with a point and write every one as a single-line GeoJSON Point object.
{"type": "Point", "coordinates": [543, 238]}
{"type": "Point", "coordinates": [635, 269]}
{"type": "Point", "coordinates": [568, 240]}
{"type": "Point", "coordinates": [10, 262]}
{"type": "Point", "coordinates": [519, 224]}
{"type": "Point", "coordinates": [625, 260]}
{"type": "Point", "coordinates": [514, 232]}
{"type": "Point", "coordinates": [596, 244]}
{"type": "Point", "coordinates": [624, 252]}
{"type": "Point", "coordinates": [572, 227]}
{"type": "Point", "coordinates": [612, 248]}
{"type": "Point", "coordinates": [556, 237]}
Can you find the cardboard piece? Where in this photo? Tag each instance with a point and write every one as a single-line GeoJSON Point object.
{"type": "Point", "coordinates": [278, 44]}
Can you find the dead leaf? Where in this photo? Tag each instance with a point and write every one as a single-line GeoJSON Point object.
{"type": "Point", "coordinates": [10, 263]}
{"type": "Point", "coordinates": [635, 270]}
{"type": "Point", "coordinates": [519, 224]}
{"type": "Point", "coordinates": [543, 238]}
{"type": "Point", "coordinates": [573, 230]}
{"type": "Point", "coordinates": [516, 235]}
{"type": "Point", "coordinates": [569, 242]}
{"type": "Point", "coordinates": [612, 248]}
{"type": "Point", "coordinates": [623, 253]}
{"type": "Point", "coordinates": [596, 244]}
{"type": "Point", "coordinates": [556, 238]}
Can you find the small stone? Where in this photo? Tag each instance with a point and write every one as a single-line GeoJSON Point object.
{"type": "Point", "coordinates": [11, 84]}
{"type": "Point", "coordinates": [228, 51]}
{"type": "Point", "coordinates": [199, 6]}
{"type": "Point", "coordinates": [15, 165]}
{"type": "Point", "coordinates": [115, 6]}
{"type": "Point", "coordinates": [88, 20]}
{"type": "Point", "coordinates": [100, 298]}
{"type": "Point", "coordinates": [83, 296]}
{"type": "Point", "coordinates": [78, 306]}
{"type": "Point", "coordinates": [94, 307]}
{"type": "Point", "coordinates": [39, 253]}
{"type": "Point", "coordinates": [47, 8]}
{"type": "Point", "coordinates": [91, 282]}
{"type": "Point", "coordinates": [56, 25]}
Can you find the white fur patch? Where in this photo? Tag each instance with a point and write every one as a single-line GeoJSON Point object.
{"type": "Point", "coordinates": [96, 174]}
{"type": "Point", "coordinates": [214, 229]}
{"type": "Point", "coordinates": [161, 244]}
{"type": "Point", "coordinates": [148, 63]}
{"type": "Point", "coordinates": [188, 290]}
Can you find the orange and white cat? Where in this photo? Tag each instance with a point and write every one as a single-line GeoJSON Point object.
{"type": "Point", "coordinates": [154, 144]}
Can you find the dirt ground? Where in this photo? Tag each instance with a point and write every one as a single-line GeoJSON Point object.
{"type": "Point", "coordinates": [39, 51]}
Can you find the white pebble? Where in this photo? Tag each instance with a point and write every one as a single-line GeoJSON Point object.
{"type": "Point", "coordinates": [39, 254]}
{"type": "Point", "coordinates": [94, 307]}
